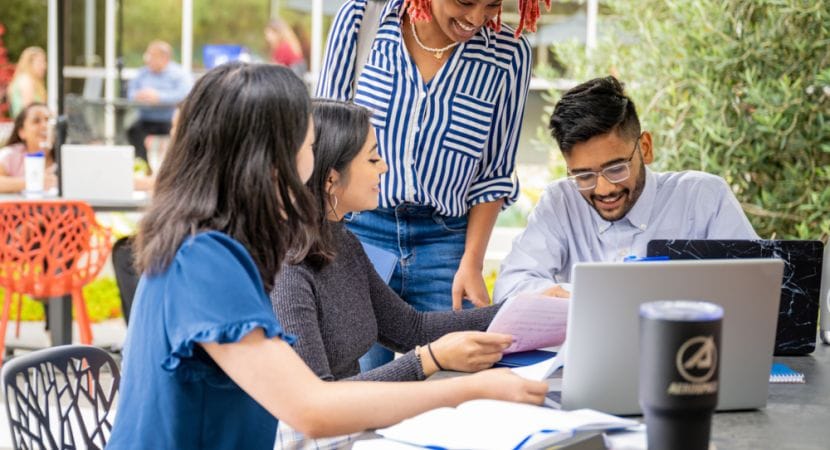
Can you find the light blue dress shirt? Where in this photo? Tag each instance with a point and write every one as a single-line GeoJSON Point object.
{"type": "Point", "coordinates": [451, 142]}
{"type": "Point", "coordinates": [565, 229]}
{"type": "Point", "coordinates": [172, 85]}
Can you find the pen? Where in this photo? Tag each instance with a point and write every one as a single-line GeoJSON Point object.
{"type": "Point", "coordinates": [635, 258]}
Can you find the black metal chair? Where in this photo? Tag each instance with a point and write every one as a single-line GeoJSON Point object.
{"type": "Point", "coordinates": [126, 276]}
{"type": "Point", "coordinates": [56, 398]}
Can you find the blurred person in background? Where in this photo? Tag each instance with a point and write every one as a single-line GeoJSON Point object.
{"type": "Point", "coordinates": [285, 46]}
{"type": "Point", "coordinates": [27, 85]}
{"type": "Point", "coordinates": [159, 85]}
{"type": "Point", "coordinates": [29, 135]}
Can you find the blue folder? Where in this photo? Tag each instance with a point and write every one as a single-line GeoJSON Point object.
{"type": "Point", "coordinates": [527, 358]}
{"type": "Point", "coordinates": [383, 260]}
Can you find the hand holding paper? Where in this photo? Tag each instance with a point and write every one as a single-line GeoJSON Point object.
{"type": "Point", "coordinates": [534, 320]}
{"type": "Point", "coordinates": [470, 351]}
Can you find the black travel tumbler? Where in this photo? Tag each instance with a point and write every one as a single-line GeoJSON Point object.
{"type": "Point", "coordinates": [679, 361]}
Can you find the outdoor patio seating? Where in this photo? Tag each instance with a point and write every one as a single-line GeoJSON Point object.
{"type": "Point", "coordinates": [61, 397]}
{"type": "Point", "coordinates": [50, 249]}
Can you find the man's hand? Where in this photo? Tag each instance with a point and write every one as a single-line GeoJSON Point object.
{"type": "Point", "coordinates": [147, 95]}
{"type": "Point", "coordinates": [469, 283]}
{"type": "Point", "coordinates": [556, 291]}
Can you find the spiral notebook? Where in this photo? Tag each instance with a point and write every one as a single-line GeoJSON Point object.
{"type": "Point", "coordinates": [782, 373]}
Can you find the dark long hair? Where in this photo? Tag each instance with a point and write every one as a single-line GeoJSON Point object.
{"type": "Point", "coordinates": [14, 138]}
{"type": "Point", "coordinates": [232, 168]}
{"type": "Point", "coordinates": [340, 131]}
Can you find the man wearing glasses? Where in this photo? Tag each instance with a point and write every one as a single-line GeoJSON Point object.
{"type": "Point", "coordinates": [611, 205]}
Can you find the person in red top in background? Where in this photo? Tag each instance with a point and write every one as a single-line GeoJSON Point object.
{"type": "Point", "coordinates": [285, 46]}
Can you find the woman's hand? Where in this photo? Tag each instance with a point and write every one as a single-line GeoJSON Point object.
{"type": "Point", "coordinates": [502, 384]}
{"type": "Point", "coordinates": [469, 283]}
{"type": "Point", "coordinates": [468, 351]}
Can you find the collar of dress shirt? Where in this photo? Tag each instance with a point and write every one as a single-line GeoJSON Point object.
{"type": "Point", "coordinates": [640, 215]}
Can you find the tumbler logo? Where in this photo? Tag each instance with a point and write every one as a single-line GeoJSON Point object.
{"type": "Point", "coordinates": [696, 361]}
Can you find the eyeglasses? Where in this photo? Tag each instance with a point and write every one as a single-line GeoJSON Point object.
{"type": "Point", "coordinates": [616, 173]}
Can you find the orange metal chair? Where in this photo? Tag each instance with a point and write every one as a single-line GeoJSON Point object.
{"type": "Point", "coordinates": [50, 248]}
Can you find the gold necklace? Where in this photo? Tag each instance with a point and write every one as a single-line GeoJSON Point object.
{"type": "Point", "coordinates": [437, 52]}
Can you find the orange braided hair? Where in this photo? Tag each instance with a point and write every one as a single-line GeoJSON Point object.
{"type": "Point", "coordinates": [419, 10]}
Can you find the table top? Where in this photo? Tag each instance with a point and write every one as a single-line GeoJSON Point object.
{"type": "Point", "coordinates": [797, 416]}
{"type": "Point", "coordinates": [121, 102]}
{"type": "Point", "coordinates": [138, 202]}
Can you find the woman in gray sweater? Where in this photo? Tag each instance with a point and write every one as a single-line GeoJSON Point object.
{"type": "Point", "coordinates": [335, 302]}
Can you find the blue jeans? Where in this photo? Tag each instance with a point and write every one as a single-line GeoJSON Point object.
{"type": "Point", "coordinates": [429, 247]}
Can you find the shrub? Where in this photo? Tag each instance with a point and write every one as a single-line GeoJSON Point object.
{"type": "Point", "coordinates": [103, 302]}
{"type": "Point", "coordinates": [739, 88]}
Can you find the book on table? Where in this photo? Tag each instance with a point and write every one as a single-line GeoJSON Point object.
{"type": "Point", "coordinates": [494, 424]}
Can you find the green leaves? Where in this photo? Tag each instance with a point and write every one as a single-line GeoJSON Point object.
{"type": "Point", "coordinates": [103, 302]}
{"type": "Point", "coordinates": [739, 88]}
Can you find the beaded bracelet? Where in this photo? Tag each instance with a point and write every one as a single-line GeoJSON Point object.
{"type": "Point", "coordinates": [432, 355]}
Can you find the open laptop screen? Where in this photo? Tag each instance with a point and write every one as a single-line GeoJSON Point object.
{"type": "Point", "coordinates": [97, 172]}
{"type": "Point", "coordinates": [601, 351]}
{"type": "Point", "coordinates": [798, 313]}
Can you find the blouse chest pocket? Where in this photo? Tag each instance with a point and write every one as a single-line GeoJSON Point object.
{"type": "Point", "coordinates": [469, 125]}
{"type": "Point", "coordinates": [374, 91]}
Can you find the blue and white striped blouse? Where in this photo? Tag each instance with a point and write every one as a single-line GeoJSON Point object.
{"type": "Point", "coordinates": [450, 143]}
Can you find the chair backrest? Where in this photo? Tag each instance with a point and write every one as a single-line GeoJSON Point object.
{"type": "Point", "coordinates": [126, 275]}
{"type": "Point", "coordinates": [50, 248]}
{"type": "Point", "coordinates": [59, 397]}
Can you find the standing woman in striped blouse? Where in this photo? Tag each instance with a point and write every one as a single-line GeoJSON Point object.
{"type": "Point", "coordinates": [446, 84]}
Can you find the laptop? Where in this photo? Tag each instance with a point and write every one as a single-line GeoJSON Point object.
{"type": "Point", "coordinates": [97, 172]}
{"type": "Point", "coordinates": [800, 288]}
{"type": "Point", "coordinates": [602, 354]}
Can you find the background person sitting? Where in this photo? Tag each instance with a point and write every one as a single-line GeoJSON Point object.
{"type": "Point", "coordinates": [161, 82]}
{"type": "Point", "coordinates": [27, 85]}
{"type": "Point", "coordinates": [29, 135]}
{"type": "Point", "coordinates": [611, 205]}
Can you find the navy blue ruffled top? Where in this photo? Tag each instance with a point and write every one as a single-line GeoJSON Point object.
{"type": "Point", "coordinates": [172, 394]}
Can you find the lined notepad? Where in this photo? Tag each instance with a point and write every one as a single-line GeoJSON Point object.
{"type": "Point", "coordinates": [782, 373]}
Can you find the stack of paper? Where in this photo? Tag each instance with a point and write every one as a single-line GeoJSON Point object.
{"type": "Point", "coordinates": [493, 424]}
{"type": "Point", "coordinates": [542, 370]}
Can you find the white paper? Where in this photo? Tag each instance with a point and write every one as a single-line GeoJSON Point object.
{"type": "Point", "coordinates": [494, 424]}
{"type": "Point", "coordinates": [534, 320]}
{"type": "Point", "coordinates": [382, 444]}
{"type": "Point", "coordinates": [633, 438]}
{"type": "Point", "coordinates": [542, 370]}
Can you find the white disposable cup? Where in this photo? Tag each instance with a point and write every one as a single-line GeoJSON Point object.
{"type": "Point", "coordinates": [34, 166]}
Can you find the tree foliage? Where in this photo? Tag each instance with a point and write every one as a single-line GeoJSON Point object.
{"type": "Point", "coordinates": [739, 88]}
{"type": "Point", "coordinates": [25, 23]}
{"type": "Point", "coordinates": [214, 22]}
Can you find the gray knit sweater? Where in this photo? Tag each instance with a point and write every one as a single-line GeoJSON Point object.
{"type": "Point", "coordinates": [338, 312]}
